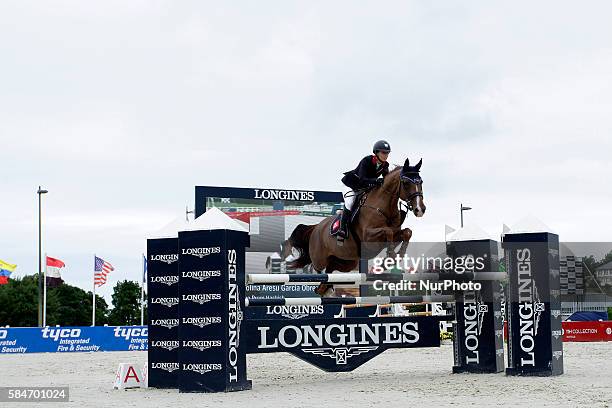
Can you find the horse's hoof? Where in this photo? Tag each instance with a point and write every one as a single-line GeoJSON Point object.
{"type": "Point", "coordinates": [330, 292]}
{"type": "Point", "coordinates": [325, 290]}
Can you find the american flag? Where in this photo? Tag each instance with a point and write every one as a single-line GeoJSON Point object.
{"type": "Point", "coordinates": [101, 269]}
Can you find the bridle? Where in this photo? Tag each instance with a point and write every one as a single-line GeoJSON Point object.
{"type": "Point", "coordinates": [404, 179]}
{"type": "Point", "coordinates": [417, 181]}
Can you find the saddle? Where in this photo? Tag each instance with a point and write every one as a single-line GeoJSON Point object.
{"type": "Point", "coordinates": [335, 225]}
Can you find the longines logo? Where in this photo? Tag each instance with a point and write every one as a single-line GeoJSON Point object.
{"type": "Point", "coordinates": [166, 344]}
{"type": "Point", "coordinates": [202, 298]}
{"type": "Point", "coordinates": [200, 275]}
{"type": "Point", "coordinates": [341, 354]}
{"type": "Point", "coordinates": [168, 302]}
{"type": "Point", "coordinates": [284, 195]}
{"type": "Point", "coordinates": [169, 258]}
{"type": "Point", "coordinates": [202, 368]}
{"type": "Point", "coordinates": [167, 323]}
{"type": "Point", "coordinates": [295, 312]}
{"type": "Point", "coordinates": [201, 321]}
{"type": "Point", "coordinates": [235, 315]}
{"type": "Point", "coordinates": [166, 280]}
{"type": "Point", "coordinates": [474, 311]}
{"type": "Point", "coordinates": [201, 344]}
{"type": "Point", "coordinates": [338, 341]}
{"type": "Point", "coordinates": [169, 367]}
{"type": "Point", "coordinates": [530, 308]}
{"type": "Point", "coordinates": [201, 252]}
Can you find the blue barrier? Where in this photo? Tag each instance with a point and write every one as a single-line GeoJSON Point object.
{"type": "Point", "coordinates": [73, 339]}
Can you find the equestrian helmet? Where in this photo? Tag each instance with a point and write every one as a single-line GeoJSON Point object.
{"type": "Point", "coordinates": [381, 146]}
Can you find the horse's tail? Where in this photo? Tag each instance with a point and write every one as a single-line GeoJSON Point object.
{"type": "Point", "coordinates": [300, 239]}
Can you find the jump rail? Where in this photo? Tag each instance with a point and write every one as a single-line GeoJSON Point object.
{"type": "Point", "coordinates": [372, 300]}
{"type": "Point", "coordinates": [362, 278]}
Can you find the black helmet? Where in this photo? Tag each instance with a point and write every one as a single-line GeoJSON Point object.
{"type": "Point", "coordinates": [381, 146]}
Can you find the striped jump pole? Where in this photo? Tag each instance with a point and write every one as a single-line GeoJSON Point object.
{"type": "Point", "coordinates": [363, 278]}
{"type": "Point", "coordinates": [386, 305]}
{"type": "Point", "coordinates": [283, 278]}
{"type": "Point", "coordinates": [342, 312]}
{"type": "Point", "coordinates": [371, 300]}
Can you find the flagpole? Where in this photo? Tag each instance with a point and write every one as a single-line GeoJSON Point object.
{"type": "Point", "coordinates": [142, 259]}
{"type": "Point", "coordinates": [93, 300]}
{"type": "Point", "coordinates": [44, 317]}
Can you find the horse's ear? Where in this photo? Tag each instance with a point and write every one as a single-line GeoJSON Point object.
{"type": "Point", "coordinates": [407, 163]}
{"type": "Point", "coordinates": [418, 166]}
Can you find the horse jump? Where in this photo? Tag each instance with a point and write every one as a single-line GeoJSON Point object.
{"type": "Point", "coordinates": [215, 336]}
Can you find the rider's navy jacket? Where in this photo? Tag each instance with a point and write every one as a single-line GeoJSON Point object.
{"type": "Point", "coordinates": [365, 173]}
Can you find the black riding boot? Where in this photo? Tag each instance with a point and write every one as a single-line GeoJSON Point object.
{"type": "Point", "coordinates": [344, 223]}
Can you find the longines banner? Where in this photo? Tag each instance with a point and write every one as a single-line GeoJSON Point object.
{"type": "Point", "coordinates": [341, 346]}
{"type": "Point", "coordinates": [294, 312]}
{"type": "Point", "coordinates": [21, 340]}
{"type": "Point", "coordinates": [534, 313]}
{"type": "Point", "coordinates": [479, 345]}
{"type": "Point", "coordinates": [163, 303]}
{"type": "Point", "coordinates": [211, 303]}
{"type": "Point", "coordinates": [202, 193]}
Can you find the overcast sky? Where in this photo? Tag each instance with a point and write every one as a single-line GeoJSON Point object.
{"type": "Point", "coordinates": [119, 108]}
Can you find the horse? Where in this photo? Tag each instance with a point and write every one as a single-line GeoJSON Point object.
{"type": "Point", "coordinates": [378, 220]}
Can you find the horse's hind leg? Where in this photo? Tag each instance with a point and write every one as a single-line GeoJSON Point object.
{"type": "Point", "coordinates": [325, 290]}
{"type": "Point", "coordinates": [334, 264]}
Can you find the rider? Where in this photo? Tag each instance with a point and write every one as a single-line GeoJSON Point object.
{"type": "Point", "coordinates": [365, 176]}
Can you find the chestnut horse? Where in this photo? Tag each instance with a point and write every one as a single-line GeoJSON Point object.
{"type": "Point", "coordinates": [379, 220]}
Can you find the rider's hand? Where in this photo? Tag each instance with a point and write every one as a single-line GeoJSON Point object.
{"type": "Point", "coordinates": [379, 182]}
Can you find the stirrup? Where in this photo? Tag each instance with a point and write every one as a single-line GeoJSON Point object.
{"type": "Point", "coordinates": [340, 239]}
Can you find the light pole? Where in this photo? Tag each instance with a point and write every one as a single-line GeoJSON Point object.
{"type": "Point", "coordinates": [40, 192]}
{"type": "Point", "coordinates": [462, 210]}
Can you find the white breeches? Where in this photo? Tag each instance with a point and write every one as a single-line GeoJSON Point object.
{"type": "Point", "coordinates": [349, 198]}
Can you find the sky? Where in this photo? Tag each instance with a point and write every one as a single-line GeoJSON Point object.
{"type": "Point", "coordinates": [120, 108]}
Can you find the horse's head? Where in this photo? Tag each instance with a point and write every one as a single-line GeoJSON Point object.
{"type": "Point", "coordinates": [411, 190]}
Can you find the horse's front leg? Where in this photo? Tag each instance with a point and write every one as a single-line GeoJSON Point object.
{"type": "Point", "coordinates": [404, 237]}
{"type": "Point", "coordinates": [382, 235]}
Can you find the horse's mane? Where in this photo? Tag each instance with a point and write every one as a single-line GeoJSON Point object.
{"type": "Point", "coordinates": [396, 168]}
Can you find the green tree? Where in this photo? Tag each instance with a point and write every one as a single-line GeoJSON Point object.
{"type": "Point", "coordinates": [19, 302]}
{"type": "Point", "coordinates": [126, 304]}
{"type": "Point", "coordinates": [67, 305]}
{"type": "Point", "coordinates": [71, 306]}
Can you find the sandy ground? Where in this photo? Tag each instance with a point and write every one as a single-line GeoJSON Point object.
{"type": "Point", "coordinates": [397, 378]}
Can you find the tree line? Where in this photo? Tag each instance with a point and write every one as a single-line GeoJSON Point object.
{"type": "Point", "coordinates": [67, 305]}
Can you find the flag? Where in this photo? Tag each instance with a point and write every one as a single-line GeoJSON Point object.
{"type": "Point", "coordinates": [54, 278]}
{"type": "Point", "coordinates": [5, 271]}
{"type": "Point", "coordinates": [144, 268]}
{"type": "Point", "coordinates": [101, 269]}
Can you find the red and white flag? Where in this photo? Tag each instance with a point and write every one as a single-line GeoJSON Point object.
{"type": "Point", "coordinates": [54, 266]}
{"type": "Point", "coordinates": [101, 269]}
